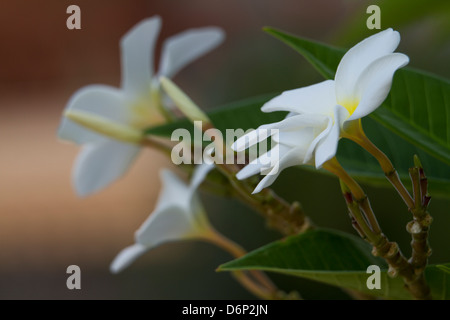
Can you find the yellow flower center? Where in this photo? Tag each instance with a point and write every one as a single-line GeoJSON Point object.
{"type": "Point", "coordinates": [350, 106]}
{"type": "Point", "coordinates": [147, 111]}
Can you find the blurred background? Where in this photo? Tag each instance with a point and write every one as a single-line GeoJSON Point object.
{"type": "Point", "coordinates": [45, 227]}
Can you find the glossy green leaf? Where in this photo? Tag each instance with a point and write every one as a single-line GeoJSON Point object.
{"type": "Point", "coordinates": [333, 258]}
{"type": "Point", "coordinates": [417, 108]}
{"type": "Point", "coordinates": [322, 57]}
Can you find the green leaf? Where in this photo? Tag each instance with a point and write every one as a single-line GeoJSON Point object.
{"type": "Point", "coordinates": [443, 268]}
{"type": "Point", "coordinates": [417, 108]}
{"type": "Point", "coordinates": [246, 114]}
{"type": "Point", "coordinates": [324, 58]}
{"type": "Point", "coordinates": [333, 258]}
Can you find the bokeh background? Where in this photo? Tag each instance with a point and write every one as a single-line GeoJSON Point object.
{"type": "Point", "coordinates": [45, 227]}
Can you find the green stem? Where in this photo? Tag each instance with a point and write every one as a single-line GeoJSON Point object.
{"type": "Point", "coordinates": [382, 247]}
{"type": "Point", "coordinates": [335, 168]}
{"type": "Point", "coordinates": [357, 135]}
{"type": "Point", "coordinates": [357, 192]}
{"type": "Point", "coordinates": [364, 227]}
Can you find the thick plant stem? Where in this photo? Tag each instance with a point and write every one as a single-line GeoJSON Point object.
{"type": "Point", "coordinates": [419, 226]}
{"type": "Point", "coordinates": [419, 244]}
{"type": "Point", "coordinates": [398, 265]}
{"type": "Point", "coordinates": [390, 252]}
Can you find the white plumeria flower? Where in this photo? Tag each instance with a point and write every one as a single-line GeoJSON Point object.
{"type": "Point", "coordinates": [130, 109]}
{"type": "Point", "coordinates": [178, 215]}
{"type": "Point", "coordinates": [320, 113]}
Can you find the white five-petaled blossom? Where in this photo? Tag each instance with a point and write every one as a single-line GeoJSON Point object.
{"type": "Point", "coordinates": [178, 215]}
{"type": "Point", "coordinates": [320, 113]}
{"type": "Point", "coordinates": [130, 109]}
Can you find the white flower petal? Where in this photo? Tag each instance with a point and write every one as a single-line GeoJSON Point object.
{"type": "Point", "coordinates": [292, 122]}
{"type": "Point", "coordinates": [126, 257]}
{"type": "Point", "coordinates": [178, 198]}
{"type": "Point", "coordinates": [178, 215]}
{"type": "Point", "coordinates": [249, 170]}
{"type": "Point", "coordinates": [319, 132]}
{"type": "Point", "coordinates": [356, 60]}
{"type": "Point", "coordinates": [256, 166]}
{"type": "Point", "coordinates": [375, 82]}
{"type": "Point", "coordinates": [185, 47]}
{"type": "Point", "coordinates": [174, 192]}
{"type": "Point", "coordinates": [301, 137]}
{"type": "Point", "coordinates": [290, 157]}
{"type": "Point", "coordinates": [101, 100]}
{"type": "Point", "coordinates": [168, 223]}
{"type": "Point", "coordinates": [250, 139]}
{"type": "Point", "coordinates": [137, 56]}
{"type": "Point", "coordinates": [265, 183]}
{"type": "Point", "coordinates": [294, 132]}
{"type": "Point", "coordinates": [327, 147]}
{"type": "Point", "coordinates": [291, 114]}
{"type": "Point", "coordinates": [318, 99]}
{"type": "Point", "coordinates": [100, 163]}
{"type": "Point", "coordinates": [296, 121]}
{"type": "Point", "coordinates": [299, 130]}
